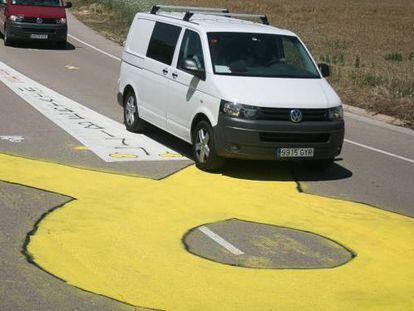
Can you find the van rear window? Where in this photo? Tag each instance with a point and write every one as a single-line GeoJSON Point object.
{"type": "Point", "coordinates": [163, 42]}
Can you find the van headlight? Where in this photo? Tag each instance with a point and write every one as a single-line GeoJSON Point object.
{"type": "Point", "coordinates": [336, 113]}
{"type": "Point", "coordinates": [16, 18]}
{"type": "Point", "coordinates": [236, 110]}
{"type": "Point", "coordinates": [61, 20]}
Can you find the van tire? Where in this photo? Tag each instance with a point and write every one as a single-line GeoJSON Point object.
{"type": "Point", "coordinates": [7, 41]}
{"type": "Point", "coordinates": [133, 122]}
{"type": "Point", "coordinates": [61, 44]}
{"type": "Point", "coordinates": [204, 149]}
{"type": "Point", "coordinates": [322, 164]}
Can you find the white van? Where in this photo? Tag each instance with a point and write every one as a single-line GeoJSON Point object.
{"type": "Point", "coordinates": [230, 87]}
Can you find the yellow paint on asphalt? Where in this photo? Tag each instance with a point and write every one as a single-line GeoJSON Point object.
{"type": "Point", "coordinates": [123, 155]}
{"type": "Point", "coordinates": [171, 155]}
{"type": "Point", "coordinates": [81, 148]}
{"type": "Point", "coordinates": [121, 238]}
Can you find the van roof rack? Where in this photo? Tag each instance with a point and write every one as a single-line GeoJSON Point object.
{"type": "Point", "coordinates": [191, 10]}
{"type": "Point", "coordinates": [263, 18]}
{"type": "Point", "coordinates": [174, 8]}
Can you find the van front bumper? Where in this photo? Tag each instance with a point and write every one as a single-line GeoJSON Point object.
{"type": "Point", "coordinates": [260, 140]}
{"type": "Point", "coordinates": [24, 31]}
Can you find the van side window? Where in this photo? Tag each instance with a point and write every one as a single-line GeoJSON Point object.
{"type": "Point", "coordinates": [163, 42]}
{"type": "Point", "coordinates": [191, 48]}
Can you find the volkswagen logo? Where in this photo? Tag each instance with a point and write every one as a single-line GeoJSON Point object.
{"type": "Point", "coordinates": [39, 20]}
{"type": "Point", "coordinates": [296, 115]}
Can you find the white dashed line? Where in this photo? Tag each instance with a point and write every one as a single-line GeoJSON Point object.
{"type": "Point", "coordinates": [218, 239]}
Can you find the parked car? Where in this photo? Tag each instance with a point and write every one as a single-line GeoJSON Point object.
{"type": "Point", "coordinates": [232, 88]}
{"type": "Point", "coordinates": [40, 20]}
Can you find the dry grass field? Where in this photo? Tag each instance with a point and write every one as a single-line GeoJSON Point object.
{"type": "Point", "coordinates": [368, 43]}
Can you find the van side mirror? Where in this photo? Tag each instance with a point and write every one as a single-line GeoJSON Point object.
{"type": "Point", "coordinates": [191, 67]}
{"type": "Point", "coordinates": [68, 5]}
{"type": "Point", "coordinates": [324, 69]}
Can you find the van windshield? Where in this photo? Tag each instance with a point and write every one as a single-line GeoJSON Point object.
{"type": "Point", "coordinates": [260, 55]}
{"type": "Point", "coordinates": [53, 3]}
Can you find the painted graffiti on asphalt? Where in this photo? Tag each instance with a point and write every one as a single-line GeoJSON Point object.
{"type": "Point", "coordinates": [83, 122]}
{"type": "Point", "coordinates": [107, 138]}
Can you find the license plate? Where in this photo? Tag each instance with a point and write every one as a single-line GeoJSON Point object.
{"type": "Point", "coordinates": [295, 152]}
{"type": "Point", "coordinates": [36, 36]}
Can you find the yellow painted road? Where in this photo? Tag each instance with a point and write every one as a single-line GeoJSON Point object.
{"type": "Point", "coordinates": [121, 238]}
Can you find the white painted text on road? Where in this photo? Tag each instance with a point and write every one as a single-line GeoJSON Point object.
{"type": "Point", "coordinates": [108, 139]}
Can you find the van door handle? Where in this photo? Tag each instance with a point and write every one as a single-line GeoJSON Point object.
{"type": "Point", "coordinates": [175, 75]}
{"type": "Point", "coordinates": [165, 71]}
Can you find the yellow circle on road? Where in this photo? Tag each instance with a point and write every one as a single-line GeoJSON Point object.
{"type": "Point", "coordinates": [121, 238]}
{"type": "Point", "coordinates": [81, 148]}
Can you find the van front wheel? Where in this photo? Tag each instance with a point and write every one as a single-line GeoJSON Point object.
{"type": "Point", "coordinates": [7, 41]}
{"type": "Point", "coordinates": [204, 149]}
{"type": "Point", "coordinates": [133, 122]}
{"type": "Point", "coordinates": [61, 44]}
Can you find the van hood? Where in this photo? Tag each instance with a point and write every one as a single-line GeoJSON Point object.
{"type": "Point", "coordinates": [37, 11]}
{"type": "Point", "coordinates": [277, 92]}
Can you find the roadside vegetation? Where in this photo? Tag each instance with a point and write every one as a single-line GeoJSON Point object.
{"type": "Point", "coordinates": [369, 44]}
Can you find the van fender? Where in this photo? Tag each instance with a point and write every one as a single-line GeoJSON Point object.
{"type": "Point", "coordinates": [203, 112]}
{"type": "Point", "coordinates": [123, 88]}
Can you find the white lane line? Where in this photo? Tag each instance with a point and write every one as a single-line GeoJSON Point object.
{"type": "Point", "coordinates": [108, 139]}
{"type": "Point", "coordinates": [95, 48]}
{"type": "Point", "coordinates": [218, 239]}
{"type": "Point", "coordinates": [379, 151]}
{"type": "Point", "coordinates": [348, 141]}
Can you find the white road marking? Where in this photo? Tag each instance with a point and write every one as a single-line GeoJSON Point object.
{"type": "Point", "coordinates": [348, 141]}
{"type": "Point", "coordinates": [94, 48]}
{"type": "Point", "coordinates": [108, 139]}
{"type": "Point", "coordinates": [379, 151]}
{"type": "Point", "coordinates": [13, 139]}
{"type": "Point", "coordinates": [70, 67]}
{"type": "Point", "coordinates": [218, 239]}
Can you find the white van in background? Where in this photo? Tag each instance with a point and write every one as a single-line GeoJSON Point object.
{"type": "Point", "coordinates": [230, 87]}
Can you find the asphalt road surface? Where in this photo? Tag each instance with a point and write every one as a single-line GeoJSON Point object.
{"type": "Point", "coordinates": [376, 166]}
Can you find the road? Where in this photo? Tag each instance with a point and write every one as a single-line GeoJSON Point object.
{"type": "Point", "coordinates": [376, 166]}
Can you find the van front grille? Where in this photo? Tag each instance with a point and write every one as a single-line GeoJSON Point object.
{"type": "Point", "coordinates": [33, 20]}
{"type": "Point", "coordinates": [38, 30]}
{"type": "Point", "coordinates": [294, 137]}
{"type": "Point", "coordinates": [283, 114]}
